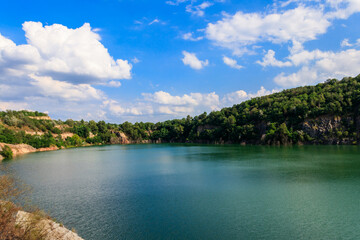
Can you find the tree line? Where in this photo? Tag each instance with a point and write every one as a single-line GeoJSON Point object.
{"type": "Point", "coordinates": [273, 119]}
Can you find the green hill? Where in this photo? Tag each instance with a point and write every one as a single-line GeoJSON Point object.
{"type": "Point", "coordinates": [327, 113]}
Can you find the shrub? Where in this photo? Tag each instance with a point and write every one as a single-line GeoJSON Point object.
{"type": "Point", "coordinates": [7, 152]}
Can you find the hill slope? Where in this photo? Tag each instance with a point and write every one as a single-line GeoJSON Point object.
{"type": "Point", "coordinates": [327, 113]}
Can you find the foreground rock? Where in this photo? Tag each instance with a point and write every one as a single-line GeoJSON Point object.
{"type": "Point", "coordinates": [48, 229]}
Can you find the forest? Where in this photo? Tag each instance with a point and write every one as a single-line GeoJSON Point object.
{"type": "Point", "coordinates": [327, 113]}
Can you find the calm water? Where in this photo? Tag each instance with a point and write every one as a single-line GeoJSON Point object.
{"type": "Point", "coordinates": [199, 192]}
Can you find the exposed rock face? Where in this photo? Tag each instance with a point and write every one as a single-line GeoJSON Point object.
{"type": "Point", "coordinates": [325, 129]}
{"type": "Point", "coordinates": [120, 138]}
{"type": "Point", "coordinates": [41, 118]}
{"type": "Point", "coordinates": [49, 229]}
{"type": "Point", "coordinates": [19, 149]}
{"type": "Point", "coordinates": [34, 133]}
{"type": "Point", "coordinates": [66, 135]}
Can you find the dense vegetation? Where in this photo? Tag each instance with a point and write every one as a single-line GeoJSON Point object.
{"type": "Point", "coordinates": [327, 113]}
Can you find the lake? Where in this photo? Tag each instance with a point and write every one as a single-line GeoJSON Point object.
{"type": "Point", "coordinates": [179, 191]}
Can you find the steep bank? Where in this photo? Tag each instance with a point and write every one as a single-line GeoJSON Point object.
{"type": "Point", "coordinates": [20, 149]}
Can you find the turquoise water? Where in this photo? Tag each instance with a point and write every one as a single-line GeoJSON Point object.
{"type": "Point", "coordinates": [199, 192]}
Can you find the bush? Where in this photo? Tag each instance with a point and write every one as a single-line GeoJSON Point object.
{"type": "Point", "coordinates": [7, 152]}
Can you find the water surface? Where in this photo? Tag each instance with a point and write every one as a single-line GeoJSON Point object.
{"type": "Point", "coordinates": [199, 192]}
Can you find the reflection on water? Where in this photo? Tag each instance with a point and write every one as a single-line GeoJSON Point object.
{"type": "Point", "coordinates": [177, 191]}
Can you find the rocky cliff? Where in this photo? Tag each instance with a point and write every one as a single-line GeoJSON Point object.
{"type": "Point", "coordinates": [332, 129]}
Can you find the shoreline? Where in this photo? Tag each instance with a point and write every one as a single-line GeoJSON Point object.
{"type": "Point", "coordinates": [22, 149]}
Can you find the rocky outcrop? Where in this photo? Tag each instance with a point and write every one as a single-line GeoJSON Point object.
{"type": "Point", "coordinates": [64, 136]}
{"type": "Point", "coordinates": [120, 138]}
{"type": "Point", "coordinates": [34, 133]}
{"type": "Point", "coordinates": [48, 229]}
{"type": "Point", "coordinates": [328, 129]}
{"type": "Point", "coordinates": [19, 149]}
{"type": "Point", "coordinates": [40, 117]}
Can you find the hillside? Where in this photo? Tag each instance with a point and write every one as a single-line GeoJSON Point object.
{"type": "Point", "coordinates": [327, 113]}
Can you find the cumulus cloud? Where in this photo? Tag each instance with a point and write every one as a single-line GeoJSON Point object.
{"type": "Point", "coordinates": [321, 66]}
{"type": "Point", "coordinates": [49, 87]}
{"type": "Point", "coordinates": [270, 60]}
{"type": "Point", "coordinates": [72, 55]}
{"type": "Point", "coordinates": [231, 63]}
{"type": "Point", "coordinates": [191, 60]}
{"type": "Point", "coordinates": [117, 109]}
{"type": "Point", "coordinates": [57, 69]}
{"type": "Point", "coordinates": [305, 22]}
{"type": "Point", "coordinates": [242, 29]}
{"type": "Point", "coordinates": [195, 103]}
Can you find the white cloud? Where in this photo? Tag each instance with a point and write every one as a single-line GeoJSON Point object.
{"type": "Point", "coordinates": [114, 84]}
{"type": "Point", "coordinates": [231, 63]}
{"type": "Point", "coordinates": [321, 66]}
{"type": "Point", "coordinates": [270, 60]}
{"type": "Point", "coordinates": [240, 96]}
{"type": "Point", "coordinates": [191, 60]}
{"type": "Point", "coordinates": [154, 21]}
{"type": "Point", "coordinates": [49, 87]}
{"type": "Point", "coordinates": [74, 52]}
{"type": "Point", "coordinates": [189, 36]}
{"type": "Point", "coordinates": [117, 109]}
{"type": "Point", "coordinates": [305, 22]}
{"type": "Point", "coordinates": [196, 103]}
{"type": "Point", "coordinates": [198, 10]}
{"type": "Point", "coordinates": [161, 97]}
{"type": "Point", "coordinates": [346, 43]}
{"type": "Point", "coordinates": [56, 71]}
{"type": "Point", "coordinates": [342, 8]}
{"type": "Point", "coordinates": [193, 103]}
{"type": "Point", "coordinates": [13, 106]}
{"type": "Point", "coordinates": [242, 29]}
{"type": "Point", "coordinates": [72, 55]}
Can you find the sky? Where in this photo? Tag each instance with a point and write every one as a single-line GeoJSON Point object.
{"type": "Point", "coordinates": [141, 60]}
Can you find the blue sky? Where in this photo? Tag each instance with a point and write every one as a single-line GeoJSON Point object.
{"type": "Point", "coordinates": [138, 60]}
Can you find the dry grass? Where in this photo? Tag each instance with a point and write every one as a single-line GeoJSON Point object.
{"type": "Point", "coordinates": [16, 224]}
